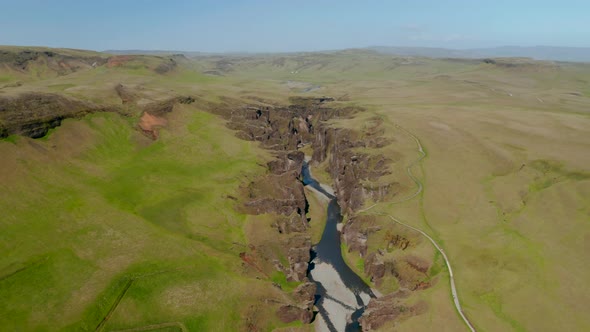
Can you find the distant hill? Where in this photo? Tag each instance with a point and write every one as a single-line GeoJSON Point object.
{"type": "Point", "coordinates": [573, 54]}
{"type": "Point", "coordinates": [155, 52]}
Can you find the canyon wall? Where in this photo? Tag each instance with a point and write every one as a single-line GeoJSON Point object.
{"type": "Point", "coordinates": [358, 175]}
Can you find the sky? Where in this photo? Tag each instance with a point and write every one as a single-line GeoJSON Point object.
{"type": "Point", "coordinates": [295, 25]}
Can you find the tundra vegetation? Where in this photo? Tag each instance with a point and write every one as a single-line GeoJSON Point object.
{"type": "Point", "coordinates": [143, 192]}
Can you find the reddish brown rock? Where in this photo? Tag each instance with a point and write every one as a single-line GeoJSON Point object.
{"type": "Point", "coordinates": [355, 174]}
{"type": "Point", "coordinates": [33, 114]}
{"type": "Point", "coordinates": [150, 124]}
{"type": "Point", "coordinates": [356, 231]}
{"type": "Point", "coordinates": [281, 194]}
{"type": "Point", "coordinates": [287, 162]}
{"type": "Point", "coordinates": [388, 308]}
{"type": "Point", "coordinates": [290, 313]}
{"type": "Point", "coordinates": [127, 96]}
{"type": "Point", "coordinates": [305, 292]}
{"type": "Point", "coordinates": [291, 224]}
{"type": "Point", "coordinates": [299, 255]}
{"type": "Point", "coordinates": [419, 264]}
{"type": "Point", "coordinates": [375, 266]}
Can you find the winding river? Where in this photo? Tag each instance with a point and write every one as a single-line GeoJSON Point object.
{"type": "Point", "coordinates": [341, 294]}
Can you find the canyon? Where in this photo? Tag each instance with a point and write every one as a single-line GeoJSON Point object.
{"type": "Point", "coordinates": [324, 191]}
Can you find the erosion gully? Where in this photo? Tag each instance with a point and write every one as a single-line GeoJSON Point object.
{"type": "Point", "coordinates": [341, 294]}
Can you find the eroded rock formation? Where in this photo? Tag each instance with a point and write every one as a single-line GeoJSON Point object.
{"type": "Point", "coordinates": [388, 308]}
{"type": "Point", "coordinates": [304, 296]}
{"type": "Point", "coordinates": [356, 175]}
{"type": "Point", "coordinates": [33, 114]}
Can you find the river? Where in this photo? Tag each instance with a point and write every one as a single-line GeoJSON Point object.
{"type": "Point", "coordinates": [341, 294]}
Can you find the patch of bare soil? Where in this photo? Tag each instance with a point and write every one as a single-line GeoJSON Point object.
{"type": "Point", "coordinates": [149, 124]}
{"type": "Point", "coordinates": [119, 60]}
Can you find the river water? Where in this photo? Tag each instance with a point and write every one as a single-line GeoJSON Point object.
{"type": "Point", "coordinates": [341, 294]}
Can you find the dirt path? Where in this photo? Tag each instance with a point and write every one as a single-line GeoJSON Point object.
{"type": "Point", "coordinates": [418, 191]}
{"type": "Point", "coordinates": [418, 183]}
{"type": "Point", "coordinates": [448, 263]}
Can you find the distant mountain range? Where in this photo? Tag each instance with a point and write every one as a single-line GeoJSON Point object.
{"type": "Point", "coordinates": [573, 54]}
{"type": "Point", "coordinates": [154, 52]}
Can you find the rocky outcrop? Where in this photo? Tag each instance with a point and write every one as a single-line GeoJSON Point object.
{"type": "Point", "coordinates": [287, 162]}
{"type": "Point", "coordinates": [290, 313]}
{"type": "Point", "coordinates": [126, 94]}
{"type": "Point", "coordinates": [281, 194]}
{"type": "Point", "coordinates": [356, 231]}
{"type": "Point", "coordinates": [357, 175]}
{"type": "Point", "coordinates": [377, 266]}
{"type": "Point", "coordinates": [409, 270]}
{"type": "Point", "coordinates": [166, 66]}
{"type": "Point", "coordinates": [281, 129]}
{"type": "Point", "coordinates": [291, 224]}
{"type": "Point", "coordinates": [299, 255]}
{"type": "Point", "coordinates": [304, 295]}
{"type": "Point", "coordinates": [149, 125]}
{"type": "Point", "coordinates": [33, 114]}
{"type": "Point", "coordinates": [388, 308]}
{"type": "Point", "coordinates": [152, 118]}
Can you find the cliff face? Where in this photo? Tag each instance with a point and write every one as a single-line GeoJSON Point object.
{"type": "Point", "coordinates": [280, 192]}
{"type": "Point", "coordinates": [356, 174]}
{"type": "Point", "coordinates": [389, 308]}
{"type": "Point", "coordinates": [361, 173]}
{"type": "Point", "coordinates": [33, 114]}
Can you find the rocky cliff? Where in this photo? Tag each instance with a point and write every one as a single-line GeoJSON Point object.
{"type": "Point", "coordinates": [358, 174]}
{"type": "Point", "coordinates": [33, 114]}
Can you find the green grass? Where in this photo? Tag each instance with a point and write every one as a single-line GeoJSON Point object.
{"type": "Point", "coordinates": [6, 78]}
{"type": "Point", "coordinates": [194, 77]}
{"type": "Point", "coordinates": [61, 87]}
{"type": "Point", "coordinates": [280, 279]}
{"type": "Point", "coordinates": [493, 301]}
{"type": "Point", "coordinates": [355, 262]}
{"type": "Point", "coordinates": [12, 139]}
{"type": "Point", "coordinates": [118, 212]}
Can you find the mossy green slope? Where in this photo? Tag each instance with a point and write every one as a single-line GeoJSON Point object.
{"type": "Point", "coordinates": [123, 234]}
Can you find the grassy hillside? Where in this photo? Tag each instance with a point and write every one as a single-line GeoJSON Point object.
{"type": "Point", "coordinates": [90, 215]}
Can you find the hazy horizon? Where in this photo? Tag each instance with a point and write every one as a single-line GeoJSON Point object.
{"type": "Point", "coordinates": [265, 26]}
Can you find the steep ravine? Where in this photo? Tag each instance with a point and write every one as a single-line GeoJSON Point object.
{"type": "Point", "coordinates": [342, 294]}
{"type": "Point", "coordinates": [357, 176]}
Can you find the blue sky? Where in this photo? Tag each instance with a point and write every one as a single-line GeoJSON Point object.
{"type": "Point", "coordinates": [254, 26]}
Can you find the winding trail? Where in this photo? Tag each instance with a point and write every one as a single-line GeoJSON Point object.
{"type": "Point", "coordinates": [411, 165]}
{"type": "Point", "coordinates": [419, 190]}
{"type": "Point", "coordinates": [451, 278]}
